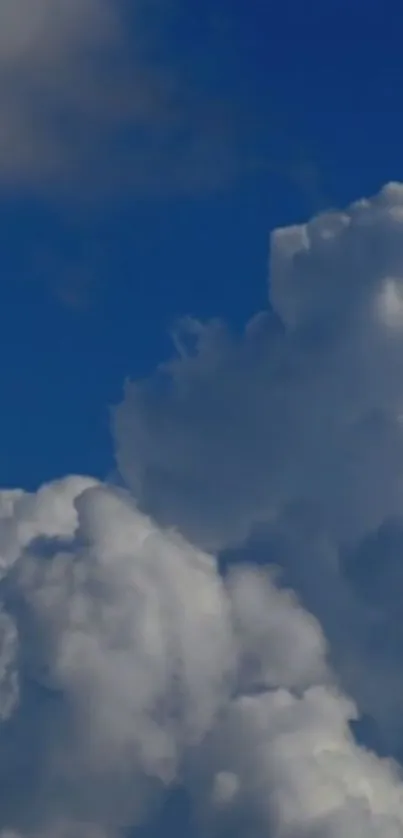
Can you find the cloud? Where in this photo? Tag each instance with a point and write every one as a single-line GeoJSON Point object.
{"type": "Point", "coordinates": [286, 444]}
{"type": "Point", "coordinates": [129, 664]}
{"type": "Point", "coordinates": [299, 771]}
{"type": "Point", "coordinates": [91, 100]}
{"type": "Point", "coordinates": [229, 624]}
{"type": "Point", "coordinates": [123, 657]}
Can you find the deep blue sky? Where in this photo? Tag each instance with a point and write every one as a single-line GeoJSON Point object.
{"type": "Point", "coordinates": [88, 294]}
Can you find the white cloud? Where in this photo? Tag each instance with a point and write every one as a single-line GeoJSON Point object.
{"type": "Point", "coordinates": [126, 632]}
{"type": "Point", "coordinates": [300, 773]}
{"type": "Point", "coordinates": [287, 443]}
{"type": "Point", "coordinates": [132, 661]}
{"type": "Point", "coordinates": [278, 642]}
{"type": "Point", "coordinates": [138, 666]}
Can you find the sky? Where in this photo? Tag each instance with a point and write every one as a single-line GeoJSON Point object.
{"type": "Point", "coordinates": [296, 109]}
{"type": "Point", "coordinates": [201, 434]}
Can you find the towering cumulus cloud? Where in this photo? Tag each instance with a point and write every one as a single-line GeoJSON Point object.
{"type": "Point", "coordinates": [228, 624]}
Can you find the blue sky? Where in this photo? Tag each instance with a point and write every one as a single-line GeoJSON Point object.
{"type": "Point", "coordinates": [204, 635]}
{"type": "Point", "coordinates": [90, 290]}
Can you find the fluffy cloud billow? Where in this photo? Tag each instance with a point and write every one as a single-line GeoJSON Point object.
{"type": "Point", "coordinates": [284, 446]}
{"type": "Point", "coordinates": [129, 664]}
{"type": "Point", "coordinates": [306, 407]}
{"type": "Point", "coordinates": [227, 624]}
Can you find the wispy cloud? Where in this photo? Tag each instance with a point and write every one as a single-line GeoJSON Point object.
{"type": "Point", "coordinates": [91, 98]}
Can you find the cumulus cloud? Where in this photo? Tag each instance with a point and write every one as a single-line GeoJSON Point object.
{"type": "Point", "coordinates": [286, 444]}
{"type": "Point", "coordinates": [118, 638]}
{"type": "Point", "coordinates": [129, 664]}
{"type": "Point", "coordinates": [229, 623]}
{"type": "Point", "coordinates": [89, 98]}
{"type": "Point", "coordinates": [299, 773]}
